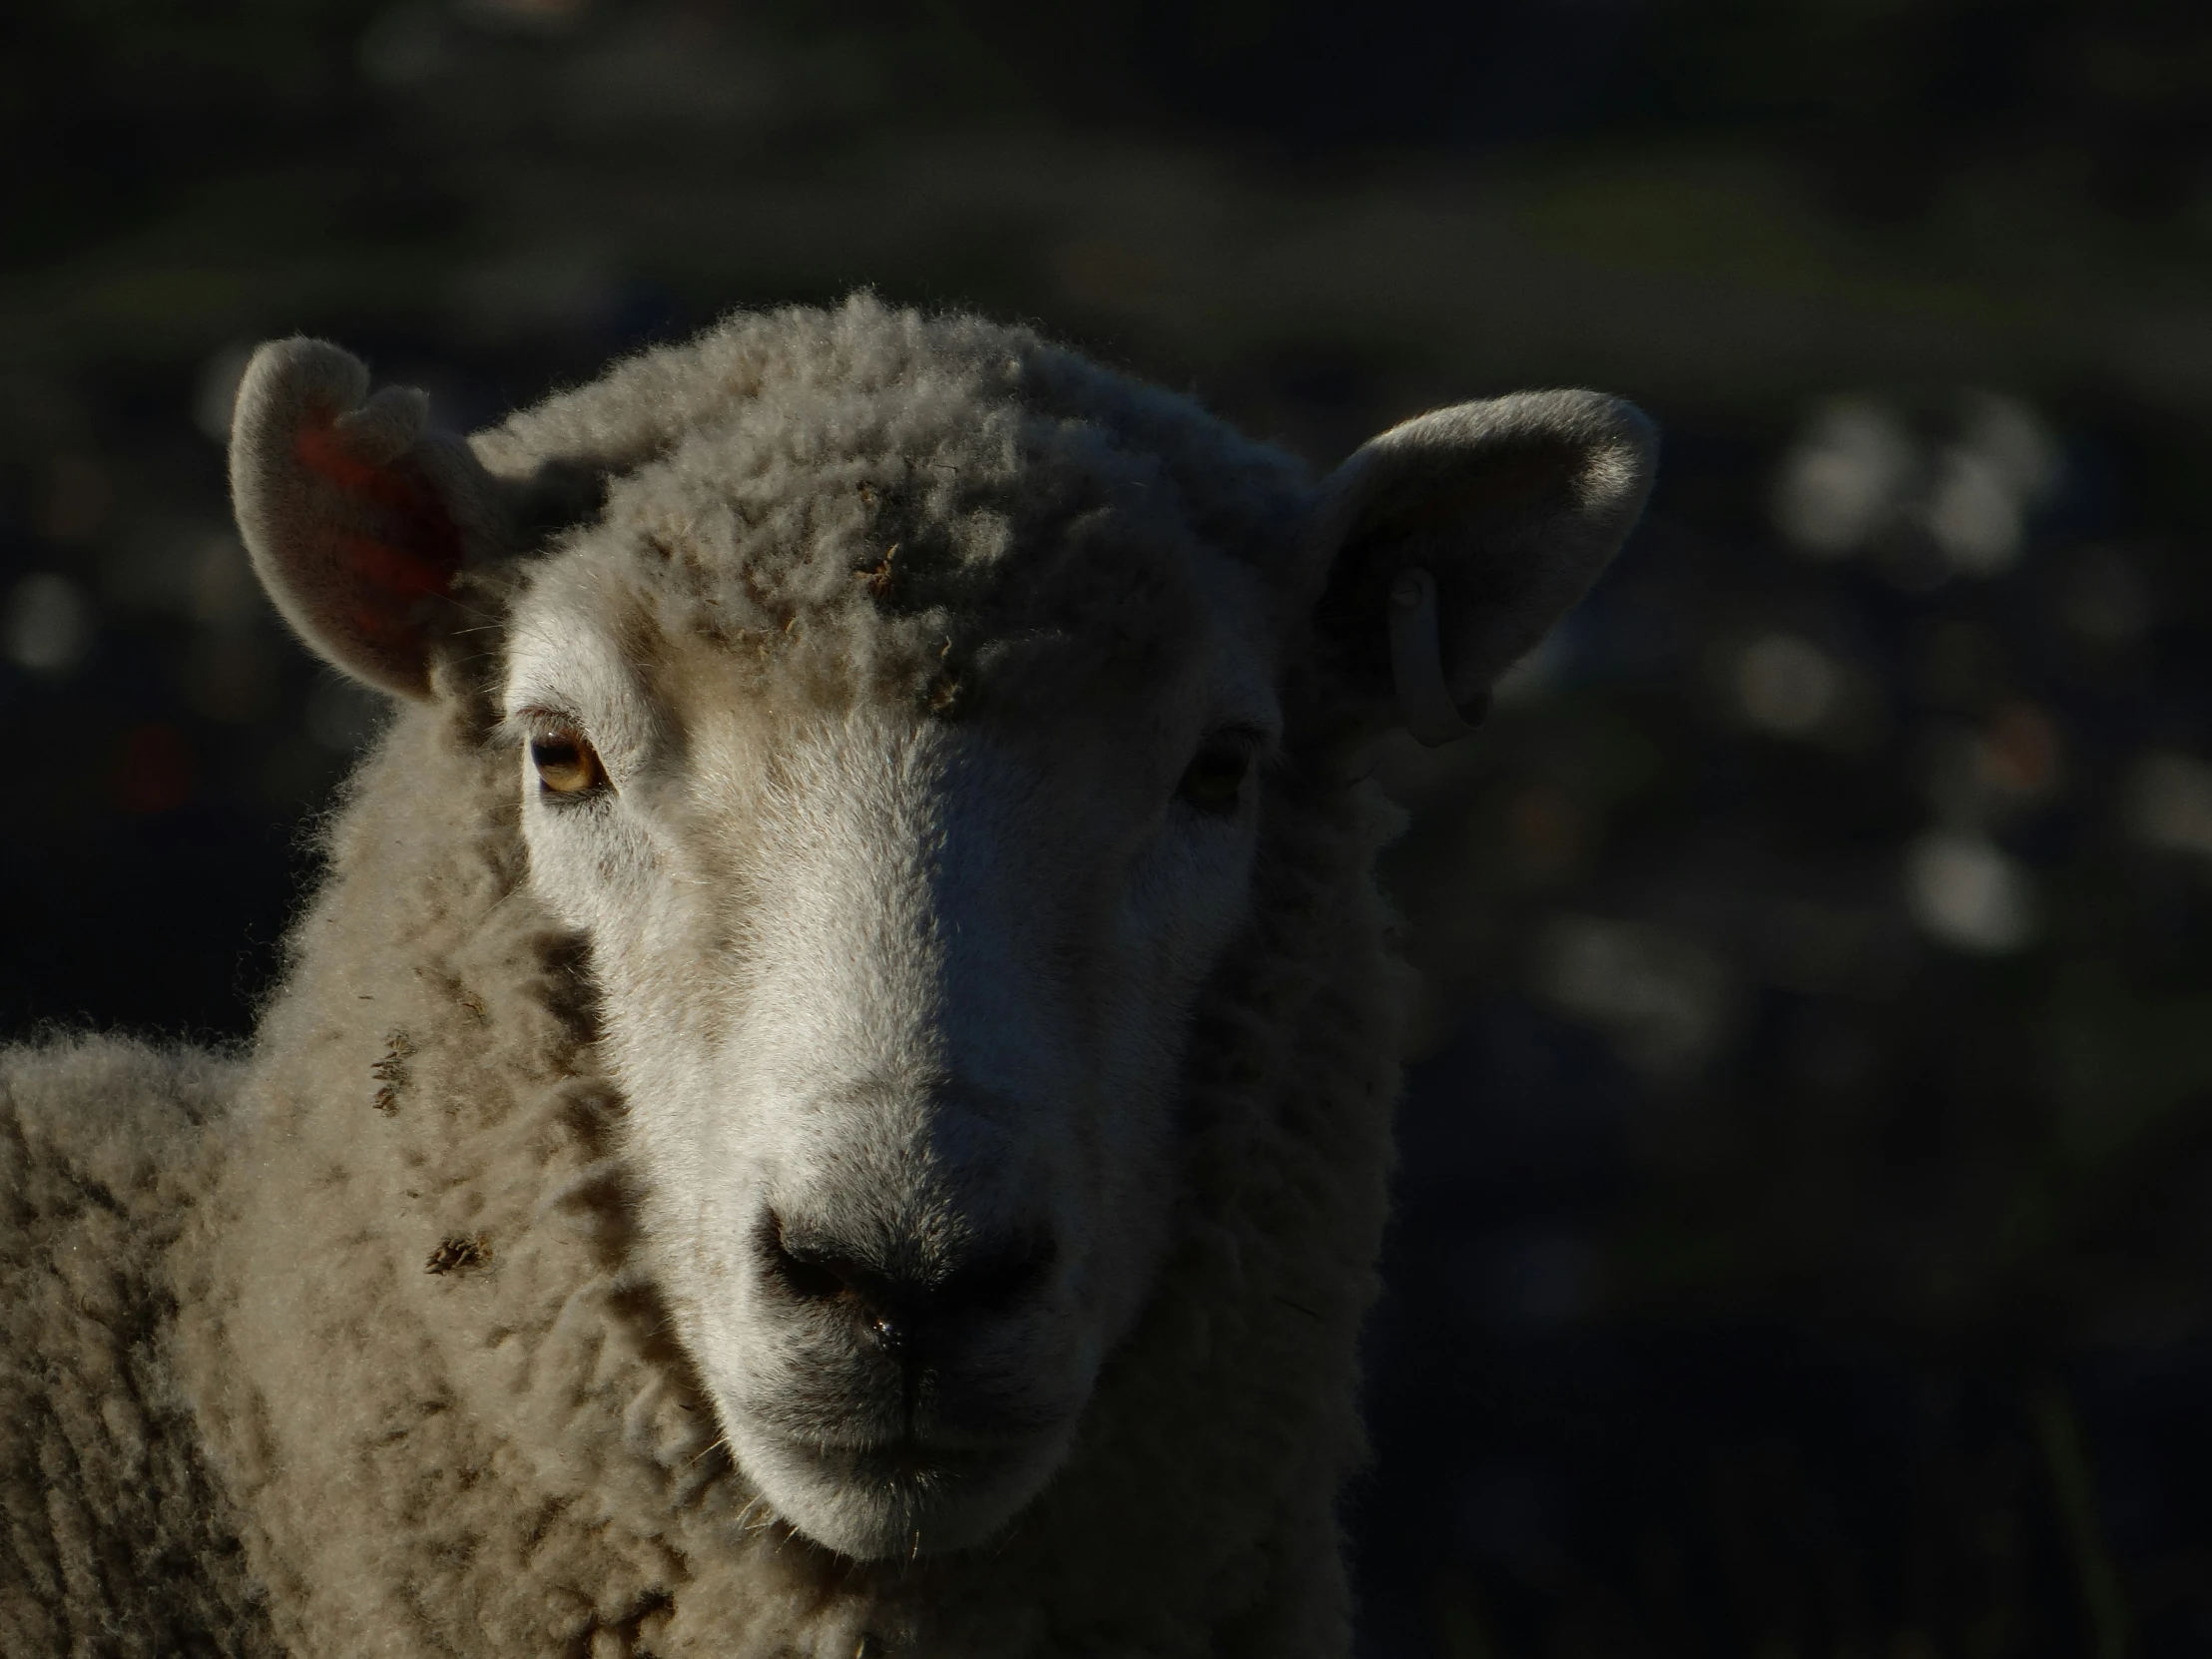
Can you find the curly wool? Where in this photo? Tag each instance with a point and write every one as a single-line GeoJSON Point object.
{"type": "Point", "coordinates": [873, 497]}
{"type": "Point", "coordinates": [114, 1539]}
{"type": "Point", "coordinates": [406, 1384]}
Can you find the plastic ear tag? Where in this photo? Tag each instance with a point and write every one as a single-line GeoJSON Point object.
{"type": "Point", "coordinates": [1417, 665]}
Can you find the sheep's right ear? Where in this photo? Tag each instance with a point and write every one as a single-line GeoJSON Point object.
{"type": "Point", "coordinates": [1445, 548]}
{"type": "Point", "coordinates": [358, 515]}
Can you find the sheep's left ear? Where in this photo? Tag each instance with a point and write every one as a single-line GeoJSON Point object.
{"type": "Point", "coordinates": [359, 513]}
{"type": "Point", "coordinates": [1445, 548]}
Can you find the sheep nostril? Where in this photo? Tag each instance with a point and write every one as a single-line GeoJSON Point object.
{"type": "Point", "coordinates": [805, 1273]}
{"type": "Point", "coordinates": [997, 1278]}
{"type": "Point", "coordinates": [898, 1309]}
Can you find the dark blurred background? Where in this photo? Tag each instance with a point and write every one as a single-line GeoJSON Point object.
{"type": "Point", "coordinates": [1807, 1193]}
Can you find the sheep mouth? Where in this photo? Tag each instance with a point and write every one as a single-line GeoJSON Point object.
{"type": "Point", "coordinates": [926, 1472]}
{"type": "Point", "coordinates": [931, 1425]}
{"type": "Point", "coordinates": [905, 1496]}
{"type": "Point", "coordinates": [937, 1468]}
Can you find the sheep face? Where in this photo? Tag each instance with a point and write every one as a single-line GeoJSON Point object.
{"type": "Point", "coordinates": [899, 1003]}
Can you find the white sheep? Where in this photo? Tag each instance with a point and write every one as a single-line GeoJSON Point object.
{"type": "Point", "coordinates": [834, 1097]}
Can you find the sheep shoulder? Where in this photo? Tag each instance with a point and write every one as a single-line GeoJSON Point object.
{"type": "Point", "coordinates": [113, 1539]}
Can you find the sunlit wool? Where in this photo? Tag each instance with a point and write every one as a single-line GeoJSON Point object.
{"type": "Point", "coordinates": [438, 1322]}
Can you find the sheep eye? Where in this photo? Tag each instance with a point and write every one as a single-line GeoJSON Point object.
{"type": "Point", "coordinates": [566, 761]}
{"type": "Point", "coordinates": [1213, 782]}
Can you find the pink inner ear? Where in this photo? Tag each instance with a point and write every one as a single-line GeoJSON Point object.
{"type": "Point", "coordinates": [410, 549]}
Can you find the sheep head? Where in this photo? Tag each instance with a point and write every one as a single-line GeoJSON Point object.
{"type": "Point", "coordinates": [901, 729]}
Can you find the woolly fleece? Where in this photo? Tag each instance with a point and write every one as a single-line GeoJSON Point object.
{"type": "Point", "coordinates": [346, 1348]}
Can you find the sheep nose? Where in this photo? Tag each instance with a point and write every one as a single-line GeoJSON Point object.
{"type": "Point", "coordinates": [898, 1309]}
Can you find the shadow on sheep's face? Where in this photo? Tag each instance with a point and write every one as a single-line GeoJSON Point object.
{"type": "Point", "coordinates": [899, 1004]}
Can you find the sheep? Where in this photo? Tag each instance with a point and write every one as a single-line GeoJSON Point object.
{"type": "Point", "coordinates": [834, 1096]}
